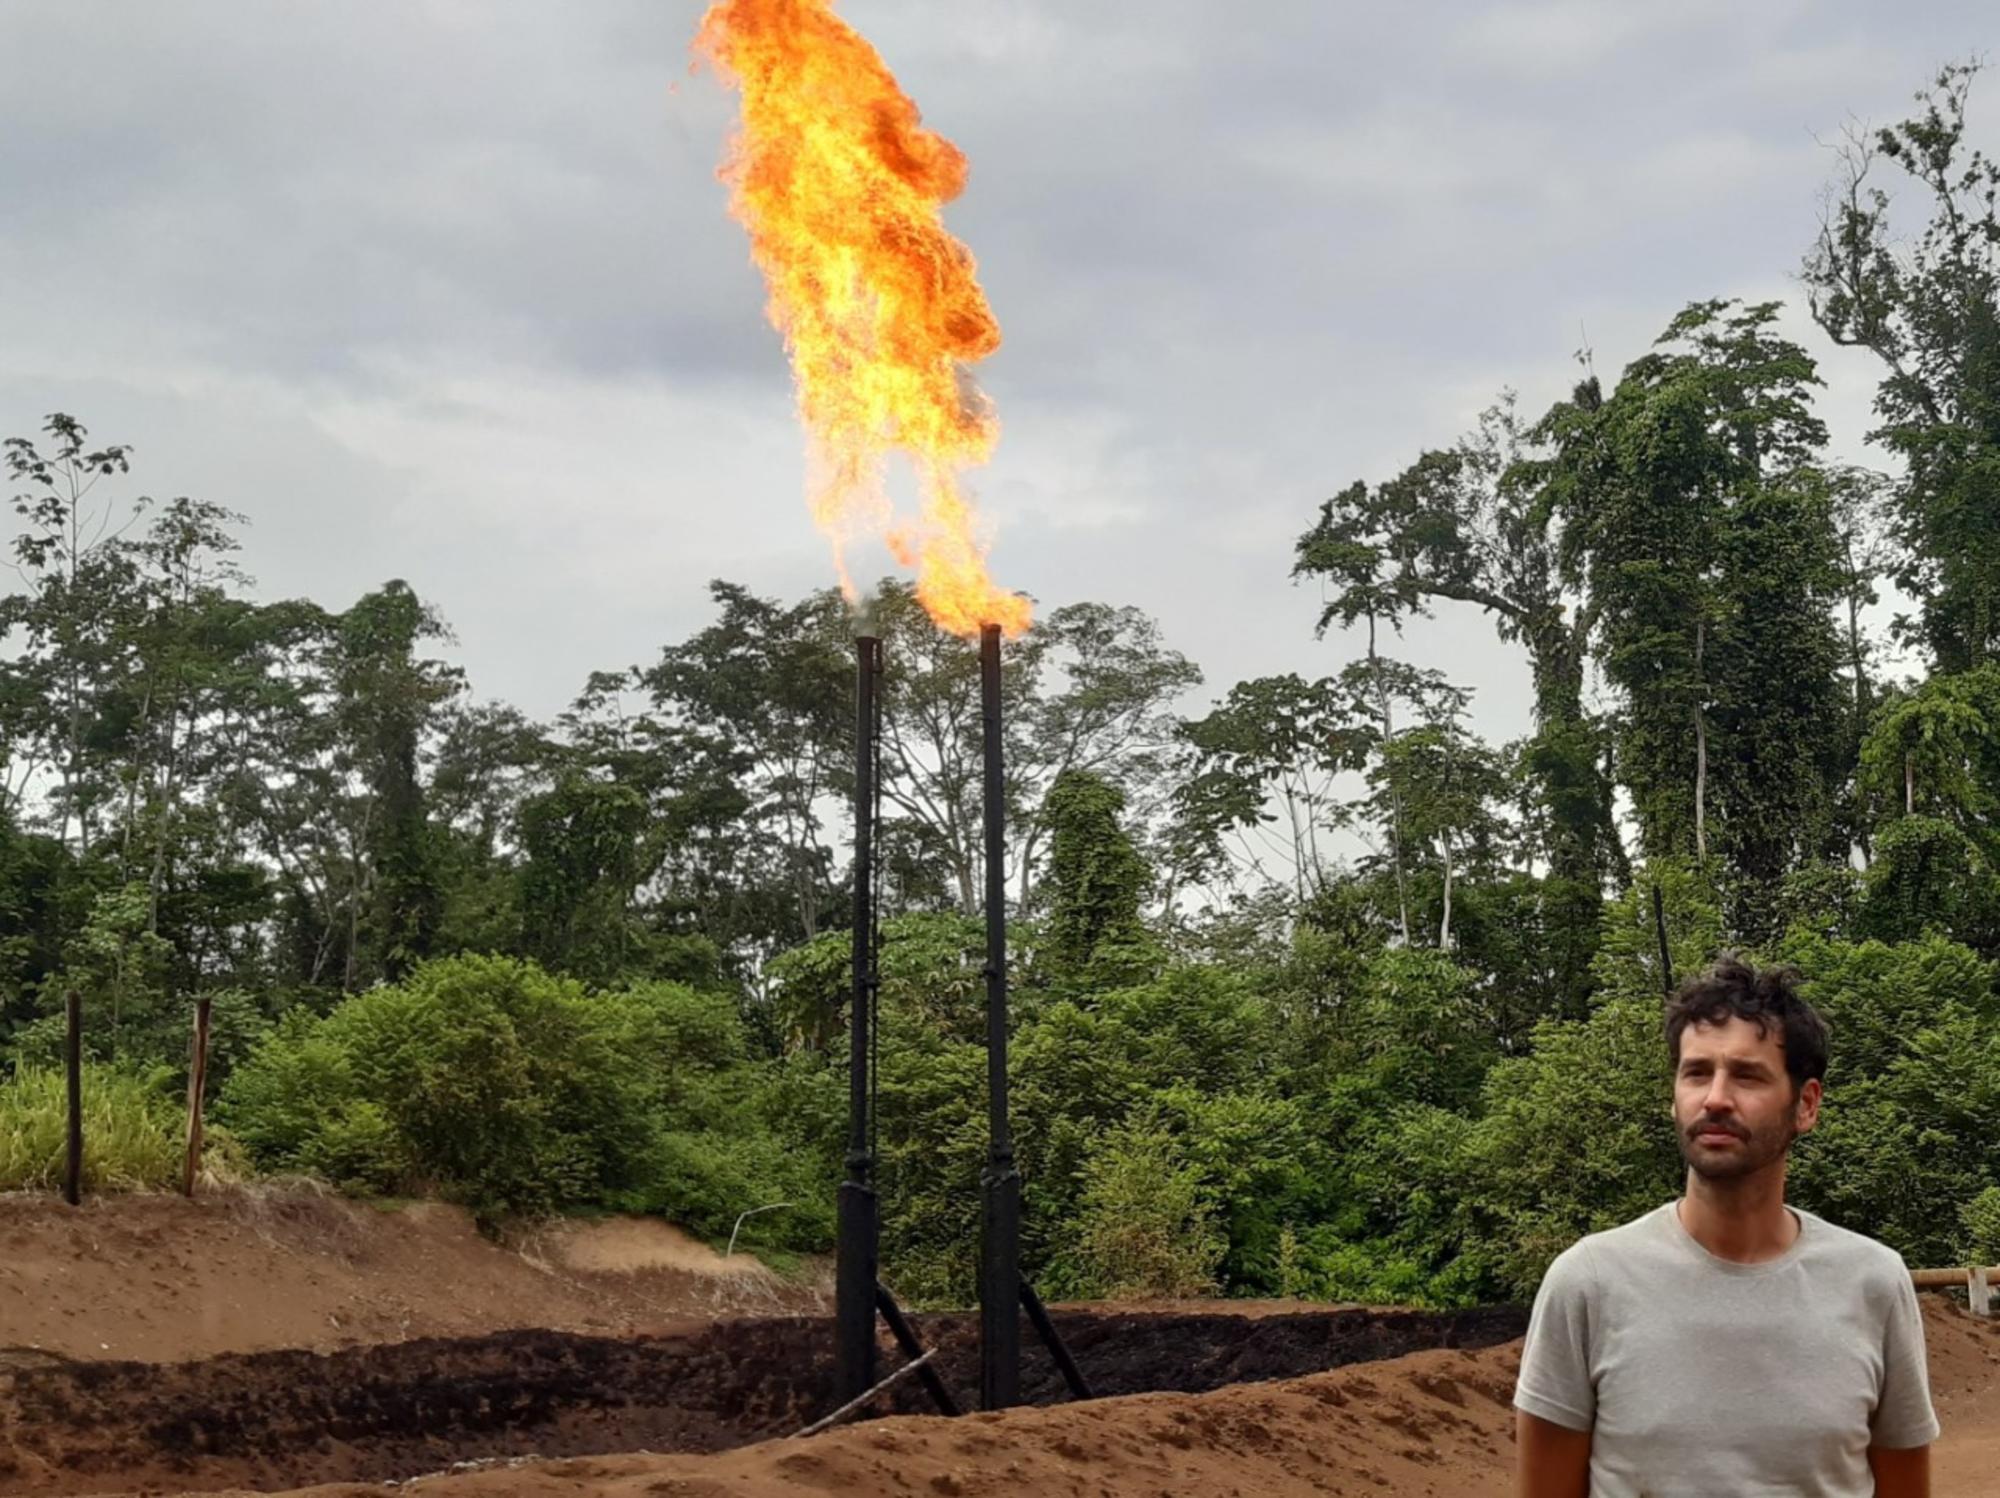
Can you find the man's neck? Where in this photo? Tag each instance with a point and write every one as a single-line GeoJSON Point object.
{"type": "Point", "coordinates": [1744, 1221]}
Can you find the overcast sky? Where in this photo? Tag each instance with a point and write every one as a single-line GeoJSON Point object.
{"type": "Point", "coordinates": [446, 289]}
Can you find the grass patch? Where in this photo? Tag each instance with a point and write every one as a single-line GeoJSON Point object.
{"type": "Point", "coordinates": [133, 1134]}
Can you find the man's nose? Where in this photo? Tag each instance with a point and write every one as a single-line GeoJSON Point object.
{"type": "Point", "coordinates": [1719, 1098]}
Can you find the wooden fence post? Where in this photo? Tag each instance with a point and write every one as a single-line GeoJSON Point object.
{"type": "Point", "coordinates": [1977, 1280]}
{"type": "Point", "coordinates": [73, 1061]}
{"type": "Point", "coordinates": [197, 1089]}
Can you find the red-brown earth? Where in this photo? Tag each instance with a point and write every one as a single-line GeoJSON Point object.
{"type": "Point", "coordinates": [274, 1341]}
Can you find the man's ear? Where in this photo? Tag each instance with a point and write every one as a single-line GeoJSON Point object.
{"type": "Point", "coordinates": [1808, 1105]}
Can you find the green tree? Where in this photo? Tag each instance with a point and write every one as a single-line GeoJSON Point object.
{"type": "Point", "coordinates": [1087, 688]}
{"type": "Point", "coordinates": [772, 682]}
{"type": "Point", "coordinates": [581, 856]}
{"type": "Point", "coordinates": [1927, 305]}
{"type": "Point", "coordinates": [1469, 525]}
{"type": "Point", "coordinates": [1696, 518]}
{"type": "Point", "coordinates": [387, 698]}
{"type": "Point", "coordinates": [73, 621]}
{"type": "Point", "coordinates": [1095, 882]}
{"type": "Point", "coordinates": [1447, 785]}
{"type": "Point", "coordinates": [1274, 740]}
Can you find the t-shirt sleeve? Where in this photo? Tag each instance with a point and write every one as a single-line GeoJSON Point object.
{"type": "Point", "coordinates": [1903, 1414]}
{"type": "Point", "coordinates": [1556, 1383]}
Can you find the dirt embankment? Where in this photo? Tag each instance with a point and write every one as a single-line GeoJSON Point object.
{"type": "Point", "coordinates": [1429, 1425]}
{"type": "Point", "coordinates": [282, 1419]}
{"type": "Point", "coordinates": [157, 1279]}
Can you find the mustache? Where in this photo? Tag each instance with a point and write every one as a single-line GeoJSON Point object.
{"type": "Point", "coordinates": [1716, 1126]}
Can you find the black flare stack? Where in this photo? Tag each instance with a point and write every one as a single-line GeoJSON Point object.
{"type": "Point", "coordinates": [1003, 1294]}
{"type": "Point", "coordinates": [1000, 1239]}
{"type": "Point", "coordinates": [856, 1262]}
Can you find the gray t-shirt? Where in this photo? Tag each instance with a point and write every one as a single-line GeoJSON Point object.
{"type": "Point", "coordinates": [1700, 1377]}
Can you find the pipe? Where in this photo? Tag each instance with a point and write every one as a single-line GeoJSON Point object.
{"type": "Point", "coordinates": [906, 1338]}
{"type": "Point", "coordinates": [1000, 1240]}
{"type": "Point", "coordinates": [1038, 1313]}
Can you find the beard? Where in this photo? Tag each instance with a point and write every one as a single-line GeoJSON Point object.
{"type": "Point", "coordinates": [1755, 1150]}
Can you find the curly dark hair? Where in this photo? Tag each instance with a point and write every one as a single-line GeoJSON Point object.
{"type": "Point", "coordinates": [1768, 997]}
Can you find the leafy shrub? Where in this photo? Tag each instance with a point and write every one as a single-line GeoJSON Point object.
{"type": "Point", "coordinates": [1927, 875]}
{"type": "Point", "coordinates": [1576, 1137]}
{"type": "Point", "coordinates": [1980, 1218]}
{"type": "Point", "coordinates": [297, 1107]}
{"type": "Point", "coordinates": [1145, 1229]}
{"type": "Point", "coordinates": [1913, 1090]}
{"type": "Point", "coordinates": [487, 1078]}
{"type": "Point", "coordinates": [518, 1092]}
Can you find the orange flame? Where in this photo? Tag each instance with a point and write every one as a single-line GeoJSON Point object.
{"type": "Point", "coordinates": [841, 187]}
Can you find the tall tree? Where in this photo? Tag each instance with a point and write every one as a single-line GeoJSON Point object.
{"type": "Point", "coordinates": [1695, 516]}
{"type": "Point", "coordinates": [711, 875]}
{"type": "Point", "coordinates": [773, 681]}
{"type": "Point", "coordinates": [1448, 786]}
{"type": "Point", "coordinates": [387, 698]}
{"type": "Point", "coordinates": [1096, 878]}
{"type": "Point", "coordinates": [1926, 307]}
{"type": "Point", "coordinates": [73, 622]}
{"type": "Point", "coordinates": [188, 671]}
{"type": "Point", "coordinates": [1087, 688]}
{"type": "Point", "coordinates": [582, 844]}
{"type": "Point", "coordinates": [1468, 525]}
{"type": "Point", "coordinates": [1275, 741]}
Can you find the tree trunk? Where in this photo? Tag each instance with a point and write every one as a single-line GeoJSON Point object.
{"type": "Point", "coordinates": [1909, 785]}
{"type": "Point", "coordinates": [1298, 848]}
{"type": "Point", "coordinates": [169, 809]}
{"type": "Point", "coordinates": [1700, 749]}
{"type": "Point", "coordinates": [132, 788]}
{"type": "Point", "coordinates": [1859, 659]}
{"type": "Point", "coordinates": [1621, 860]}
{"type": "Point", "coordinates": [967, 905]}
{"type": "Point", "coordinates": [1444, 925]}
{"type": "Point", "coordinates": [1395, 796]}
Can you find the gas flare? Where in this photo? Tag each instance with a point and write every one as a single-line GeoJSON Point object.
{"type": "Point", "coordinates": [841, 189]}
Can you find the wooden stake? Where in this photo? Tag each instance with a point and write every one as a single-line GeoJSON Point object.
{"type": "Point", "coordinates": [197, 1088]}
{"type": "Point", "coordinates": [73, 1059]}
{"type": "Point", "coordinates": [1978, 1291]}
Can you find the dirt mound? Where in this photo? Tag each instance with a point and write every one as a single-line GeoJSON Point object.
{"type": "Point", "coordinates": [1430, 1424]}
{"type": "Point", "coordinates": [280, 1419]}
{"type": "Point", "coordinates": [633, 1246]}
{"type": "Point", "coordinates": [160, 1279]}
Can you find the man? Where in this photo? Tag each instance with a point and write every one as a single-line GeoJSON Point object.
{"type": "Point", "coordinates": [1726, 1345]}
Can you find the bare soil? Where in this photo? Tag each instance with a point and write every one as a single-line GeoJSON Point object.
{"type": "Point", "coordinates": [277, 1341]}
{"type": "Point", "coordinates": [158, 1279]}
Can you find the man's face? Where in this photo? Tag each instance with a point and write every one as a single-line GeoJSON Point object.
{"type": "Point", "coordinates": [1734, 1109]}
